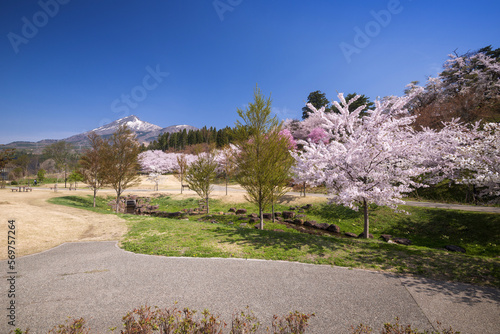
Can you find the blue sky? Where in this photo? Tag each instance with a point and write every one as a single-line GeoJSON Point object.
{"type": "Point", "coordinates": [68, 66]}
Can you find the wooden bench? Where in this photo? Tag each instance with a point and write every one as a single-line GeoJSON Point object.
{"type": "Point", "coordinates": [186, 186]}
{"type": "Point", "coordinates": [14, 189]}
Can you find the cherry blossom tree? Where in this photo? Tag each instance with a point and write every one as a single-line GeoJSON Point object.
{"type": "Point", "coordinates": [475, 159]}
{"type": "Point", "coordinates": [317, 135]}
{"type": "Point", "coordinates": [369, 159]}
{"type": "Point", "coordinates": [156, 163]}
{"type": "Point", "coordinates": [483, 158]}
{"type": "Point", "coordinates": [468, 88]}
{"type": "Point", "coordinates": [287, 135]}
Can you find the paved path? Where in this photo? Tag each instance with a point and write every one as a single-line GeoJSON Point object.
{"type": "Point", "coordinates": [100, 282]}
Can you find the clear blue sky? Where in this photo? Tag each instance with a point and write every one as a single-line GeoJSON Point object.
{"type": "Point", "coordinates": [68, 68]}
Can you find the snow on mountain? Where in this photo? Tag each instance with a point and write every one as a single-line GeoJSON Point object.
{"type": "Point", "coordinates": [178, 128]}
{"type": "Point", "coordinates": [132, 122]}
{"type": "Point", "coordinates": [145, 132]}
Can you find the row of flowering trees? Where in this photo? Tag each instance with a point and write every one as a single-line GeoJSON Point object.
{"type": "Point", "coordinates": [361, 157]}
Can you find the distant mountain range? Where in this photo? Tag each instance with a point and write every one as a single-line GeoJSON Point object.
{"type": "Point", "coordinates": [145, 132]}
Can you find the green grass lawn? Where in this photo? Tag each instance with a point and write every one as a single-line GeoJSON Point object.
{"type": "Point", "coordinates": [429, 229]}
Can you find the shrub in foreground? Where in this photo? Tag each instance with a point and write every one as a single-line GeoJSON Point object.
{"type": "Point", "coordinates": [146, 320]}
{"type": "Point", "coordinates": [397, 328]}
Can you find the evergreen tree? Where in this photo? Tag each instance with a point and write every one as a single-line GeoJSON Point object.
{"type": "Point", "coordinates": [318, 100]}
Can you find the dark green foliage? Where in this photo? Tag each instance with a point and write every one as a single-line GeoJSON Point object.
{"type": "Point", "coordinates": [448, 191]}
{"type": "Point", "coordinates": [179, 141]}
{"type": "Point", "coordinates": [40, 175]}
{"type": "Point", "coordinates": [318, 100]}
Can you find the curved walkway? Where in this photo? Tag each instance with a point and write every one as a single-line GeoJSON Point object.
{"type": "Point", "coordinates": [100, 282]}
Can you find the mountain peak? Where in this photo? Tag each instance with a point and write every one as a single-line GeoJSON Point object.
{"type": "Point", "coordinates": [131, 118]}
{"type": "Point", "coordinates": [132, 122]}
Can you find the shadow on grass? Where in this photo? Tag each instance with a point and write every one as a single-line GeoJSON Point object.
{"type": "Point", "coordinates": [286, 241]}
{"type": "Point", "coordinates": [437, 265]}
{"type": "Point", "coordinates": [478, 233]}
{"type": "Point", "coordinates": [81, 202]}
{"type": "Point", "coordinates": [335, 212]}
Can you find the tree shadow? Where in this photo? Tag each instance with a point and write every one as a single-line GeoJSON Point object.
{"type": "Point", "coordinates": [335, 212]}
{"type": "Point", "coordinates": [260, 239]}
{"type": "Point", "coordinates": [287, 199]}
{"type": "Point", "coordinates": [453, 291]}
{"type": "Point", "coordinates": [440, 270]}
{"type": "Point", "coordinates": [438, 228]}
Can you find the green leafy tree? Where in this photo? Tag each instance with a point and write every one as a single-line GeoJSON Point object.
{"type": "Point", "coordinates": [282, 162]}
{"type": "Point", "coordinates": [75, 176]}
{"type": "Point", "coordinates": [256, 162]}
{"type": "Point", "coordinates": [122, 162]}
{"type": "Point", "coordinates": [201, 174]}
{"type": "Point", "coordinates": [318, 100]}
{"type": "Point", "coordinates": [41, 175]}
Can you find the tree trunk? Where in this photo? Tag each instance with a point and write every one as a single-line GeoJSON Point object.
{"type": "Point", "coordinates": [261, 214]}
{"type": "Point", "coordinates": [226, 184]}
{"type": "Point", "coordinates": [272, 213]}
{"type": "Point", "coordinates": [118, 193]}
{"type": "Point", "coordinates": [95, 193]}
{"type": "Point", "coordinates": [367, 228]}
{"type": "Point", "coordinates": [207, 205]}
{"type": "Point", "coordinates": [304, 189]}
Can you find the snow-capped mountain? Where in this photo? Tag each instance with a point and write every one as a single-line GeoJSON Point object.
{"type": "Point", "coordinates": [132, 122]}
{"type": "Point", "coordinates": [146, 132]}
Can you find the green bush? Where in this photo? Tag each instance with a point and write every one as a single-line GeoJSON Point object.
{"type": "Point", "coordinates": [41, 175]}
{"type": "Point", "coordinates": [14, 183]}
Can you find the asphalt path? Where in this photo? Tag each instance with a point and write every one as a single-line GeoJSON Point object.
{"type": "Point", "coordinates": [101, 282]}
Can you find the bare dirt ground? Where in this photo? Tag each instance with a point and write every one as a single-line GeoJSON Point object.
{"type": "Point", "coordinates": [41, 225]}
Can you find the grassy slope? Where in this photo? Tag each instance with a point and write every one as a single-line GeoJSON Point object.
{"type": "Point", "coordinates": [429, 229]}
